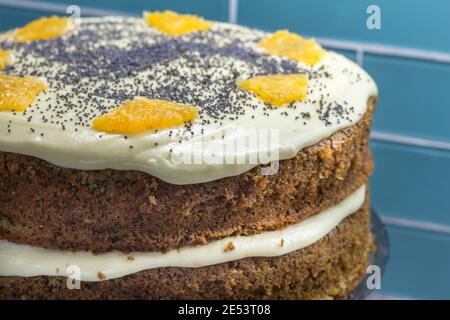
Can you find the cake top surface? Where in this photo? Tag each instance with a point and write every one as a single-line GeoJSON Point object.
{"type": "Point", "coordinates": [187, 108]}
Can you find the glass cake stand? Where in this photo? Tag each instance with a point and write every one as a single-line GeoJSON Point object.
{"type": "Point", "coordinates": [379, 257]}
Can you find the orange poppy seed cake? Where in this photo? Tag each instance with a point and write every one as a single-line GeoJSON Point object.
{"type": "Point", "coordinates": [171, 157]}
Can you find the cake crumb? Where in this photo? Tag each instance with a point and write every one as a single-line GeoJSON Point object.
{"type": "Point", "coordinates": [230, 247]}
{"type": "Point", "coordinates": [282, 243]}
{"type": "Point", "coordinates": [130, 258]}
{"type": "Point", "coordinates": [57, 270]}
{"type": "Point", "coordinates": [101, 276]}
{"type": "Point", "coordinates": [152, 200]}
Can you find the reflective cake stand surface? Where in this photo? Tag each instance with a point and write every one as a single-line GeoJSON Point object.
{"type": "Point", "coordinates": [378, 258]}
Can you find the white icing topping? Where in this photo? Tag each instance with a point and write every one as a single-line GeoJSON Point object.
{"type": "Point", "coordinates": [153, 153]}
{"type": "Point", "coordinates": [27, 261]}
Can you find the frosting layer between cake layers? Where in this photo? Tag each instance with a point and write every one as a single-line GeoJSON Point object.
{"type": "Point", "coordinates": [28, 261]}
{"type": "Point", "coordinates": [105, 61]}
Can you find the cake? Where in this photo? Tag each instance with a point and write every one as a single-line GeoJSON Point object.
{"type": "Point", "coordinates": [172, 157]}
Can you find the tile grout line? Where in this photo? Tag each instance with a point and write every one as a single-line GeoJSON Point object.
{"type": "Point", "coordinates": [360, 57]}
{"type": "Point", "coordinates": [409, 140]}
{"type": "Point", "coordinates": [233, 9]}
{"type": "Point", "coordinates": [415, 224]}
{"type": "Point", "coordinates": [381, 49]}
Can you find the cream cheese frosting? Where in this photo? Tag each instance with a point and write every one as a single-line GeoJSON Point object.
{"type": "Point", "coordinates": [104, 61]}
{"type": "Point", "coordinates": [28, 261]}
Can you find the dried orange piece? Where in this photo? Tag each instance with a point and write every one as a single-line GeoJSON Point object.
{"type": "Point", "coordinates": [6, 58]}
{"type": "Point", "coordinates": [18, 93]}
{"type": "Point", "coordinates": [42, 29]}
{"type": "Point", "coordinates": [176, 24]}
{"type": "Point", "coordinates": [290, 45]}
{"type": "Point", "coordinates": [277, 90]}
{"type": "Point", "coordinates": [143, 114]}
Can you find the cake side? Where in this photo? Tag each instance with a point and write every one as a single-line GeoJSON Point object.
{"type": "Point", "coordinates": [326, 269]}
{"type": "Point", "coordinates": [53, 207]}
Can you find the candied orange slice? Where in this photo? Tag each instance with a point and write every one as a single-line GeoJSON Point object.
{"type": "Point", "coordinates": [42, 29]}
{"type": "Point", "coordinates": [18, 93]}
{"type": "Point", "coordinates": [277, 90]}
{"type": "Point", "coordinates": [6, 58]}
{"type": "Point", "coordinates": [143, 114]}
{"type": "Point", "coordinates": [290, 45]}
{"type": "Point", "coordinates": [175, 24]}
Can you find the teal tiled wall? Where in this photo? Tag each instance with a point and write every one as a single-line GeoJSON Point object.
{"type": "Point", "coordinates": [408, 23]}
{"type": "Point", "coordinates": [414, 96]}
{"type": "Point", "coordinates": [13, 17]}
{"type": "Point", "coordinates": [418, 266]}
{"type": "Point", "coordinates": [410, 183]}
